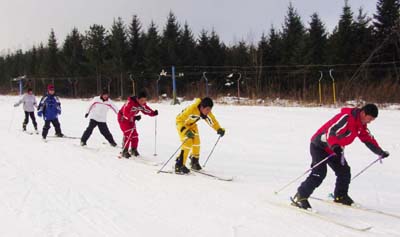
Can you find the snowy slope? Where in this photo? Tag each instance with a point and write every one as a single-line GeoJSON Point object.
{"type": "Point", "coordinates": [60, 189]}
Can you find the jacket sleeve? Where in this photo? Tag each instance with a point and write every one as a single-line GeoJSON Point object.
{"type": "Point", "coordinates": [58, 105]}
{"type": "Point", "coordinates": [114, 107]}
{"type": "Point", "coordinates": [20, 101]}
{"type": "Point", "coordinates": [35, 102]}
{"type": "Point", "coordinates": [185, 117]}
{"type": "Point", "coordinates": [366, 137]}
{"type": "Point", "coordinates": [148, 111]}
{"type": "Point", "coordinates": [41, 104]}
{"type": "Point", "coordinates": [126, 110]}
{"type": "Point", "coordinates": [212, 121]}
{"type": "Point", "coordinates": [92, 103]}
{"type": "Point", "coordinates": [340, 122]}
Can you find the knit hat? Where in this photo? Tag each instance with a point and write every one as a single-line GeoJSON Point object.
{"type": "Point", "coordinates": [50, 87]}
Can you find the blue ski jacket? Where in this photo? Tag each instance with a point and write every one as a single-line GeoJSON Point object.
{"type": "Point", "coordinates": [49, 107]}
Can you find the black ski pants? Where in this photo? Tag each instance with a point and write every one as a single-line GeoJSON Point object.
{"type": "Point", "coordinates": [103, 130]}
{"type": "Point", "coordinates": [32, 115]}
{"type": "Point", "coordinates": [318, 174]}
{"type": "Point", "coordinates": [46, 127]}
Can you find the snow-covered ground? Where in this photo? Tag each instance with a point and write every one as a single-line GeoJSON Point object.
{"type": "Point", "coordinates": [60, 189]}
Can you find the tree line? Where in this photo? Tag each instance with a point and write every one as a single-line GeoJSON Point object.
{"type": "Point", "coordinates": [298, 47]}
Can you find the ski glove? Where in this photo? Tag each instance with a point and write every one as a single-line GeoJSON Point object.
{"type": "Point", "coordinates": [221, 132]}
{"type": "Point", "coordinates": [40, 113]}
{"type": "Point", "coordinates": [338, 150]}
{"type": "Point", "coordinates": [137, 118]}
{"type": "Point", "coordinates": [155, 112]}
{"type": "Point", "coordinates": [86, 115]}
{"type": "Point", "coordinates": [189, 134]}
{"type": "Point", "coordinates": [384, 154]}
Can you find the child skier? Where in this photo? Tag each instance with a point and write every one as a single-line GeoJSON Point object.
{"type": "Point", "coordinates": [189, 134]}
{"type": "Point", "coordinates": [127, 117]}
{"type": "Point", "coordinates": [97, 114]}
{"type": "Point", "coordinates": [29, 101]}
{"type": "Point", "coordinates": [331, 139]}
{"type": "Point", "coordinates": [50, 107]}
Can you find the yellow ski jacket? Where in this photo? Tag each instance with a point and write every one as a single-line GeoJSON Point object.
{"type": "Point", "coordinates": [188, 118]}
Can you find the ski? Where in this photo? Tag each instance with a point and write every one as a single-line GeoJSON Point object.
{"type": "Point", "coordinates": [29, 133]}
{"type": "Point", "coordinates": [146, 161]}
{"type": "Point", "coordinates": [357, 207]}
{"type": "Point", "coordinates": [67, 137]}
{"type": "Point", "coordinates": [323, 217]}
{"type": "Point", "coordinates": [173, 172]}
{"type": "Point", "coordinates": [213, 175]}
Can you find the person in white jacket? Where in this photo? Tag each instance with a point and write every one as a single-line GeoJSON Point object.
{"type": "Point", "coordinates": [97, 114]}
{"type": "Point", "coordinates": [29, 105]}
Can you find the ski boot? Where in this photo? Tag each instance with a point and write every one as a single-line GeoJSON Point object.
{"type": "Point", "coordinates": [113, 144]}
{"type": "Point", "coordinates": [83, 143]}
{"type": "Point", "coordinates": [24, 127]}
{"type": "Point", "coordinates": [344, 199]}
{"type": "Point", "coordinates": [59, 135]}
{"type": "Point", "coordinates": [134, 152]}
{"type": "Point", "coordinates": [300, 202]}
{"type": "Point", "coordinates": [180, 168]}
{"type": "Point", "coordinates": [125, 153]}
{"type": "Point", "coordinates": [194, 163]}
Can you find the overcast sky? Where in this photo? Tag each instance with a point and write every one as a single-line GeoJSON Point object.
{"type": "Point", "coordinates": [24, 23]}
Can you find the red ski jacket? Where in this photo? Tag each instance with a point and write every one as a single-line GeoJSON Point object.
{"type": "Point", "coordinates": [131, 108]}
{"type": "Point", "coordinates": [343, 129]}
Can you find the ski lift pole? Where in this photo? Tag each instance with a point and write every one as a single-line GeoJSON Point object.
{"type": "Point", "coordinates": [206, 81]}
{"type": "Point", "coordinates": [320, 88]}
{"type": "Point", "coordinates": [333, 85]}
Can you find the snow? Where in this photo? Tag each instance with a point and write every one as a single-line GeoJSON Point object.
{"type": "Point", "coordinates": [60, 189]}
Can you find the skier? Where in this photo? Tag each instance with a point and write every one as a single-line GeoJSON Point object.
{"type": "Point", "coordinates": [331, 139]}
{"type": "Point", "coordinates": [189, 134]}
{"type": "Point", "coordinates": [50, 107]}
{"type": "Point", "coordinates": [29, 101]}
{"type": "Point", "coordinates": [97, 114]}
{"type": "Point", "coordinates": [127, 117]}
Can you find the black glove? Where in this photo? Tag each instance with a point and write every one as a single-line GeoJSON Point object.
{"type": "Point", "coordinates": [86, 115]}
{"type": "Point", "coordinates": [221, 132]}
{"type": "Point", "coordinates": [155, 112]}
{"type": "Point", "coordinates": [338, 150]}
{"type": "Point", "coordinates": [384, 154]}
{"type": "Point", "coordinates": [137, 118]}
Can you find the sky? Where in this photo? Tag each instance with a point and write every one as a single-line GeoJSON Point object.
{"type": "Point", "coordinates": [24, 23]}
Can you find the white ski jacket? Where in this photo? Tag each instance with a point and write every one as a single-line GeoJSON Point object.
{"type": "Point", "coordinates": [98, 109]}
{"type": "Point", "coordinates": [29, 102]}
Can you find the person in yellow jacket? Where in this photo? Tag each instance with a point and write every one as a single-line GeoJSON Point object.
{"type": "Point", "coordinates": [189, 133]}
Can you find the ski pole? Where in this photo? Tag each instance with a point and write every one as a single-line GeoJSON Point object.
{"type": "Point", "coordinates": [172, 155]}
{"type": "Point", "coordinates": [310, 169]}
{"type": "Point", "coordinates": [128, 138]}
{"type": "Point", "coordinates": [212, 150]}
{"type": "Point", "coordinates": [363, 170]}
{"type": "Point", "coordinates": [155, 136]}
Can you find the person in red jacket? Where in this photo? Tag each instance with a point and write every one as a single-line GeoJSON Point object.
{"type": "Point", "coordinates": [127, 117]}
{"type": "Point", "coordinates": [330, 140]}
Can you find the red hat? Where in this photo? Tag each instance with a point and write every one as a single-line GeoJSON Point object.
{"type": "Point", "coordinates": [50, 87]}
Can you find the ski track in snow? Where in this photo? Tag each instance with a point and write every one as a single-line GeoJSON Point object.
{"type": "Point", "coordinates": [61, 189]}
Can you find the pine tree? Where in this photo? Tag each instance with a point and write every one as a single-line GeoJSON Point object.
{"type": "Point", "coordinates": [187, 47]}
{"type": "Point", "coordinates": [169, 42]}
{"type": "Point", "coordinates": [203, 47]}
{"type": "Point", "coordinates": [152, 49]}
{"type": "Point", "coordinates": [96, 46]}
{"type": "Point", "coordinates": [363, 34]}
{"type": "Point", "coordinates": [316, 41]}
{"type": "Point", "coordinates": [293, 38]}
{"type": "Point", "coordinates": [136, 44]}
{"type": "Point", "coordinates": [216, 50]}
{"type": "Point", "coordinates": [52, 57]}
{"type": "Point", "coordinates": [387, 24]}
{"type": "Point", "coordinates": [73, 54]}
{"type": "Point", "coordinates": [33, 62]}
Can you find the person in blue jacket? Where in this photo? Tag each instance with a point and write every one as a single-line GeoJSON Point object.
{"type": "Point", "coordinates": [50, 107]}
